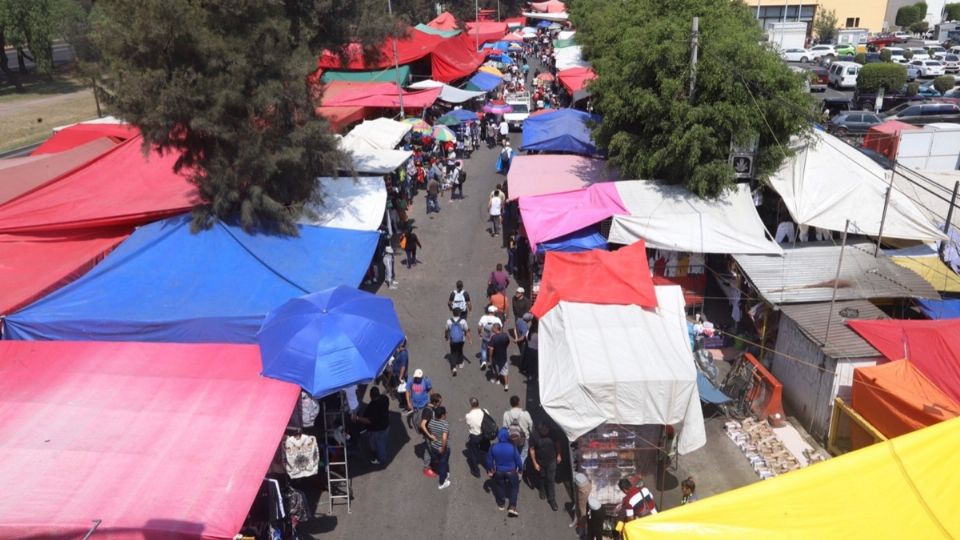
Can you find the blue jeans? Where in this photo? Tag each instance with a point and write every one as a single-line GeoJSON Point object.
{"type": "Point", "coordinates": [444, 465]}
{"type": "Point", "coordinates": [433, 204]}
{"type": "Point", "coordinates": [484, 342]}
{"type": "Point", "coordinates": [378, 441]}
{"type": "Point", "coordinates": [506, 486]}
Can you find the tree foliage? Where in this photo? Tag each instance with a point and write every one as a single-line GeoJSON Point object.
{"type": "Point", "coordinates": [825, 25]}
{"type": "Point", "coordinates": [30, 27]}
{"type": "Point", "coordinates": [951, 12]}
{"type": "Point", "coordinates": [224, 84]}
{"type": "Point", "coordinates": [919, 27]}
{"type": "Point", "coordinates": [911, 14]}
{"type": "Point", "coordinates": [466, 11]}
{"type": "Point", "coordinates": [640, 50]}
{"type": "Point", "coordinates": [944, 83]}
{"type": "Point", "coordinates": [913, 89]}
{"type": "Point", "coordinates": [886, 55]}
{"type": "Point", "coordinates": [888, 76]}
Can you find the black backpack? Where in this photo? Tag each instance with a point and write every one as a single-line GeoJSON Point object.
{"type": "Point", "coordinates": [488, 427]}
{"type": "Point", "coordinates": [463, 176]}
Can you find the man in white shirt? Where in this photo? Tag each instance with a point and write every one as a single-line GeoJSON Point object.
{"type": "Point", "coordinates": [504, 131]}
{"type": "Point", "coordinates": [516, 416]}
{"type": "Point", "coordinates": [484, 330]}
{"type": "Point", "coordinates": [474, 420]}
{"type": "Point", "coordinates": [495, 209]}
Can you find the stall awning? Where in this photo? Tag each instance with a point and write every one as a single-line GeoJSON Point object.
{"type": "Point", "coordinates": [24, 174]}
{"type": "Point", "coordinates": [388, 75]}
{"type": "Point", "coordinates": [340, 117]}
{"type": "Point", "coordinates": [570, 57]}
{"type": "Point", "coordinates": [484, 81]}
{"type": "Point", "coordinates": [932, 269]}
{"type": "Point", "coordinates": [563, 130]}
{"type": "Point", "coordinates": [444, 21]}
{"type": "Point", "coordinates": [80, 134]}
{"type": "Point", "coordinates": [896, 398]}
{"type": "Point", "coordinates": [122, 188]}
{"type": "Point", "coordinates": [932, 346]}
{"type": "Point", "coordinates": [378, 134]}
{"type": "Point", "coordinates": [379, 161]}
{"type": "Point", "coordinates": [546, 17]}
{"type": "Point", "coordinates": [455, 58]}
{"type": "Point", "coordinates": [940, 309]}
{"type": "Point", "coordinates": [829, 182]}
{"type": "Point", "coordinates": [486, 30]}
{"type": "Point", "coordinates": [383, 95]}
{"type": "Point", "coordinates": [620, 277]}
{"type": "Point", "coordinates": [167, 284]}
{"type": "Point", "coordinates": [350, 203]}
{"type": "Point", "coordinates": [546, 217]}
{"type": "Point", "coordinates": [576, 78]}
{"type": "Point", "coordinates": [620, 364]}
{"type": "Point", "coordinates": [154, 440]}
{"type": "Point", "coordinates": [413, 47]}
{"type": "Point", "coordinates": [550, 6]}
{"type": "Point", "coordinates": [545, 174]}
{"type": "Point", "coordinates": [448, 93]}
{"type": "Point", "coordinates": [442, 33]}
{"type": "Point", "coordinates": [575, 242]}
{"type": "Point", "coordinates": [671, 217]}
{"type": "Point", "coordinates": [901, 488]}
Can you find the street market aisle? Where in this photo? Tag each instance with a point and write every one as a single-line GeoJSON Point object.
{"type": "Point", "coordinates": [398, 501]}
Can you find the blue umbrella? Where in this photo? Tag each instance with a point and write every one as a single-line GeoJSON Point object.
{"type": "Point", "coordinates": [329, 340]}
{"type": "Point", "coordinates": [463, 115]}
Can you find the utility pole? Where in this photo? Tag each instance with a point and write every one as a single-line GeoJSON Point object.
{"type": "Point", "coordinates": [886, 204]}
{"type": "Point", "coordinates": [946, 226]}
{"type": "Point", "coordinates": [396, 62]}
{"type": "Point", "coordinates": [476, 21]}
{"type": "Point", "coordinates": [836, 281]}
{"type": "Point", "coordinates": [694, 42]}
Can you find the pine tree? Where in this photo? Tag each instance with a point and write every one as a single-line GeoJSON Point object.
{"type": "Point", "coordinates": [224, 84]}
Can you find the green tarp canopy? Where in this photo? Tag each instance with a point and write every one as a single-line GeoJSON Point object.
{"type": "Point", "coordinates": [431, 30]}
{"type": "Point", "coordinates": [561, 43]}
{"type": "Point", "coordinates": [384, 75]}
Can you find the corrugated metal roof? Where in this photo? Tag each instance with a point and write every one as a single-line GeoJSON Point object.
{"type": "Point", "coordinates": [806, 274]}
{"type": "Point", "coordinates": [843, 341]}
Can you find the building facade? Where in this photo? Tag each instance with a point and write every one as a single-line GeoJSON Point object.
{"type": "Point", "coordinates": [869, 14]}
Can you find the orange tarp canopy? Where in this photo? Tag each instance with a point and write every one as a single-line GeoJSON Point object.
{"type": "Point", "coordinates": [621, 277]}
{"type": "Point", "coordinates": [444, 21]}
{"type": "Point", "coordinates": [897, 398]}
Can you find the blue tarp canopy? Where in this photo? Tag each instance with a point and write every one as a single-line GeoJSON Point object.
{"type": "Point", "coordinates": [564, 130]}
{"type": "Point", "coordinates": [502, 45]}
{"type": "Point", "coordinates": [464, 115]}
{"type": "Point", "coordinates": [165, 284]}
{"type": "Point", "coordinates": [544, 24]}
{"type": "Point", "coordinates": [582, 240]}
{"type": "Point", "coordinates": [940, 309]}
{"type": "Point", "coordinates": [483, 81]}
{"type": "Point", "coordinates": [502, 58]}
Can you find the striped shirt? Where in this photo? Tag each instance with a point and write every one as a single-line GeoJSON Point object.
{"type": "Point", "coordinates": [437, 429]}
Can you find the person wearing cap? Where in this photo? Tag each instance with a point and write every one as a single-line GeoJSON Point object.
{"type": "Point", "coordinates": [418, 394]}
{"type": "Point", "coordinates": [520, 303]}
{"type": "Point", "coordinates": [485, 330]}
{"type": "Point", "coordinates": [583, 488]}
{"type": "Point", "coordinates": [388, 268]}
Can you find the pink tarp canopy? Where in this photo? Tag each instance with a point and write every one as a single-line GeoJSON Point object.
{"type": "Point", "coordinates": [551, 6]}
{"type": "Point", "coordinates": [123, 187]}
{"type": "Point", "coordinates": [33, 266]}
{"type": "Point", "coordinates": [544, 174]}
{"type": "Point", "coordinates": [80, 134]}
{"type": "Point", "coordinates": [24, 174]}
{"type": "Point", "coordinates": [157, 440]}
{"type": "Point", "coordinates": [364, 94]}
{"type": "Point", "coordinates": [444, 21]}
{"type": "Point", "coordinates": [932, 346]}
{"type": "Point", "coordinates": [546, 217]}
{"type": "Point", "coordinates": [576, 78]}
{"type": "Point", "coordinates": [488, 30]}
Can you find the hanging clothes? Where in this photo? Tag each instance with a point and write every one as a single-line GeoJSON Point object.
{"type": "Point", "coordinates": [309, 409]}
{"type": "Point", "coordinates": [683, 266]}
{"type": "Point", "coordinates": [697, 264]}
{"type": "Point", "coordinates": [302, 455]}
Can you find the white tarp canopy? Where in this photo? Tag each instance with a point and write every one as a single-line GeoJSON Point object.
{"type": "Point", "coordinates": [448, 93]}
{"type": "Point", "coordinates": [570, 57]}
{"type": "Point", "coordinates": [379, 134]}
{"type": "Point", "coordinates": [622, 365]}
{"type": "Point", "coordinates": [350, 203]}
{"type": "Point", "coordinates": [675, 219]}
{"type": "Point", "coordinates": [828, 182]}
{"type": "Point", "coordinates": [556, 17]}
{"type": "Point", "coordinates": [379, 161]}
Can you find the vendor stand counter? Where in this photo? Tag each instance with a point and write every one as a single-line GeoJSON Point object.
{"type": "Point", "coordinates": [613, 451]}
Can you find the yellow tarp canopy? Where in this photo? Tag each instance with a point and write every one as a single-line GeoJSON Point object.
{"type": "Point", "coordinates": [907, 487]}
{"type": "Point", "coordinates": [932, 269]}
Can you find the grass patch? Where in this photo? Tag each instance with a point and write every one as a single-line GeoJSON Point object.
{"type": "Point", "coordinates": [30, 117]}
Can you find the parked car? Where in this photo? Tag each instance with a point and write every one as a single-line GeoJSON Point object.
{"type": "Point", "coordinates": [936, 51]}
{"type": "Point", "coordinates": [924, 113]}
{"type": "Point", "coordinates": [919, 53]}
{"type": "Point", "coordinates": [844, 74]}
{"type": "Point", "coordinates": [853, 123]}
{"type": "Point", "coordinates": [867, 100]}
{"type": "Point", "coordinates": [845, 49]}
{"type": "Point", "coordinates": [872, 58]}
{"type": "Point", "coordinates": [896, 55]}
{"type": "Point", "coordinates": [819, 79]}
{"type": "Point", "coordinates": [913, 72]}
{"type": "Point", "coordinates": [819, 51]}
{"type": "Point", "coordinates": [951, 62]}
{"type": "Point", "coordinates": [928, 68]}
{"type": "Point", "coordinates": [901, 36]}
{"type": "Point", "coordinates": [928, 90]}
{"type": "Point", "coordinates": [796, 55]}
{"type": "Point", "coordinates": [833, 106]}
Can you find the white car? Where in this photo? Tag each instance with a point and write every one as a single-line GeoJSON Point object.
{"type": "Point", "coordinates": [901, 35]}
{"type": "Point", "coordinates": [929, 68]}
{"type": "Point", "coordinates": [896, 55]}
{"type": "Point", "coordinates": [796, 55]}
{"type": "Point", "coordinates": [936, 52]}
{"type": "Point", "coordinates": [951, 63]}
{"type": "Point", "coordinates": [819, 51]}
{"type": "Point", "coordinates": [919, 53]}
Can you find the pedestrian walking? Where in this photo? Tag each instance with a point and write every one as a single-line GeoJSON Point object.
{"type": "Point", "coordinates": [418, 395]}
{"type": "Point", "coordinates": [504, 131]}
{"type": "Point", "coordinates": [457, 178]}
{"type": "Point", "coordinates": [520, 303]}
{"type": "Point", "coordinates": [456, 331]}
{"type": "Point", "coordinates": [531, 356]}
{"type": "Point", "coordinates": [545, 455]}
{"type": "Point", "coordinates": [499, 278]}
{"type": "Point", "coordinates": [499, 300]}
{"type": "Point", "coordinates": [504, 466]}
{"type": "Point", "coordinates": [409, 242]}
{"type": "Point", "coordinates": [388, 272]}
{"type": "Point", "coordinates": [398, 376]}
{"type": "Point", "coordinates": [506, 156]}
{"type": "Point", "coordinates": [426, 414]}
{"type": "Point", "coordinates": [485, 330]}
{"type": "Point", "coordinates": [476, 444]}
{"type": "Point", "coordinates": [439, 430]}
{"type": "Point", "coordinates": [495, 211]}
{"type": "Point", "coordinates": [460, 298]}
{"type": "Point", "coordinates": [433, 193]}
{"type": "Point", "coordinates": [498, 344]}
{"type": "Point", "coordinates": [520, 332]}
{"type": "Point", "coordinates": [520, 424]}
{"type": "Point", "coordinates": [376, 418]}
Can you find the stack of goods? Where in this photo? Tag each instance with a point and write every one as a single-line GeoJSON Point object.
{"type": "Point", "coordinates": [762, 447]}
{"type": "Point", "coordinates": [606, 455]}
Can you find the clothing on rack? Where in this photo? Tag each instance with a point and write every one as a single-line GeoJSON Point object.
{"type": "Point", "coordinates": [309, 409]}
{"type": "Point", "coordinates": [302, 455]}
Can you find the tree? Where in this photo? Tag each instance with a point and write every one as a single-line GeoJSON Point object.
{"type": "Point", "coordinates": [944, 83]}
{"type": "Point", "coordinates": [913, 89]}
{"type": "Point", "coordinates": [466, 11]}
{"type": "Point", "coordinates": [872, 77]}
{"type": "Point", "coordinates": [224, 84]}
{"type": "Point", "coordinates": [860, 58]}
{"type": "Point", "coordinates": [30, 26]}
{"type": "Point", "coordinates": [651, 128]}
{"type": "Point", "coordinates": [951, 12]}
{"type": "Point", "coordinates": [908, 15]}
{"type": "Point", "coordinates": [919, 27]}
{"type": "Point", "coordinates": [825, 25]}
{"type": "Point", "coordinates": [886, 55]}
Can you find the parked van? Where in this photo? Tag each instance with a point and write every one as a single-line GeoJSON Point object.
{"type": "Point", "coordinates": [844, 74]}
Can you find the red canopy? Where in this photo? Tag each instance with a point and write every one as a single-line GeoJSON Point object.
{"type": "Point", "coordinates": [620, 277]}
{"type": "Point", "coordinates": [36, 265]}
{"type": "Point", "coordinates": [489, 30]}
{"type": "Point", "coordinates": [575, 79]}
{"type": "Point", "coordinates": [550, 6]}
{"type": "Point", "coordinates": [79, 134]}
{"type": "Point", "coordinates": [455, 58]}
{"type": "Point", "coordinates": [24, 174]}
{"type": "Point", "coordinates": [157, 440]}
{"type": "Point", "coordinates": [123, 187]}
{"type": "Point", "coordinates": [932, 346]}
{"type": "Point", "coordinates": [415, 46]}
{"type": "Point", "coordinates": [444, 21]}
{"type": "Point", "coordinates": [341, 117]}
{"type": "Point", "coordinates": [884, 138]}
{"type": "Point", "coordinates": [364, 94]}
